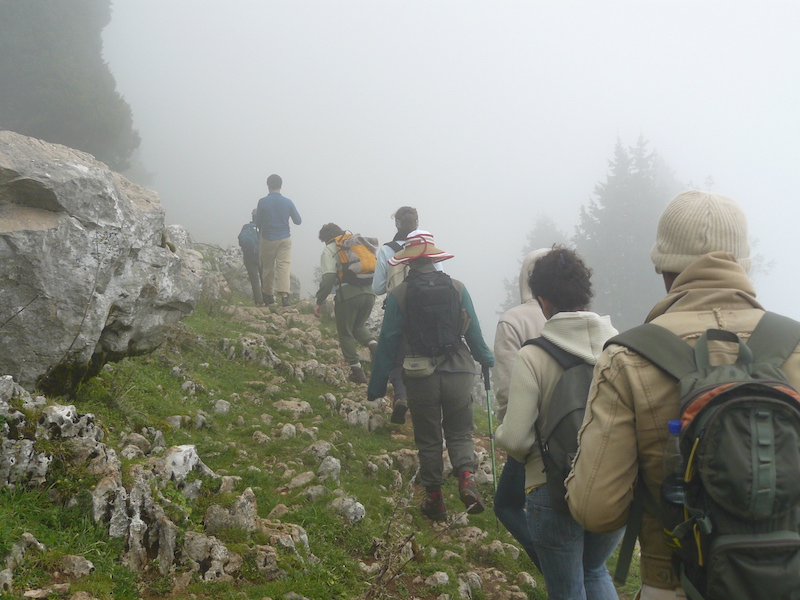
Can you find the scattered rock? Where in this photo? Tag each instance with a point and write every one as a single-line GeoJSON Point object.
{"type": "Point", "coordinates": [438, 579]}
{"type": "Point", "coordinates": [20, 548]}
{"type": "Point", "coordinates": [278, 511]}
{"type": "Point", "coordinates": [298, 408]}
{"type": "Point", "coordinates": [259, 437]}
{"type": "Point", "coordinates": [524, 578]}
{"type": "Point", "coordinates": [76, 566]}
{"type": "Point", "coordinates": [228, 482]}
{"type": "Point", "coordinates": [315, 492]}
{"type": "Point", "coordinates": [319, 449]}
{"type": "Point", "coordinates": [301, 480]}
{"type": "Point", "coordinates": [288, 432]}
{"type": "Point", "coordinates": [136, 439]}
{"type": "Point", "coordinates": [330, 469]}
{"type": "Point", "coordinates": [352, 510]}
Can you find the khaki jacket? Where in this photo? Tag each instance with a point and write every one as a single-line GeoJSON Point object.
{"type": "Point", "coordinates": [630, 402]}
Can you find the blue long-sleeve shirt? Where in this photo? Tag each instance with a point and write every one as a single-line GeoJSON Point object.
{"type": "Point", "coordinates": [272, 216]}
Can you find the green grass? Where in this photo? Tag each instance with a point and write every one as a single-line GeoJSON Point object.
{"type": "Point", "coordinates": [141, 392]}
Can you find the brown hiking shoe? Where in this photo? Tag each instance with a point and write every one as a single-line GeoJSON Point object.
{"type": "Point", "coordinates": [433, 506]}
{"type": "Point", "coordinates": [468, 493]}
{"type": "Point", "coordinates": [357, 375]}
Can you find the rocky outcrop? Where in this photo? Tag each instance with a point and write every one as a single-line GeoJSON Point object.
{"type": "Point", "coordinates": [87, 274]}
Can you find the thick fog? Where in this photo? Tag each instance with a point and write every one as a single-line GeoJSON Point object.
{"type": "Point", "coordinates": [481, 115]}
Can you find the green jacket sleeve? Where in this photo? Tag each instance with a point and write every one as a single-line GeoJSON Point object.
{"type": "Point", "coordinates": [477, 347]}
{"type": "Point", "coordinates": [388, 348]}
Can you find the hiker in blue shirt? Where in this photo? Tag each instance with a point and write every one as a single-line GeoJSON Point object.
{"type": "Point", "coordinates": [275, 246]}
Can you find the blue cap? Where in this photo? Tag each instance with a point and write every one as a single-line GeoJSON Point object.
{"type": "Point", "coordinates": [674, 427]}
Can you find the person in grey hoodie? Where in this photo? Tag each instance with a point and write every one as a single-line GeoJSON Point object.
{"type": "Point", "coordinates": [515, 326]}
{"type": "Point", "coordinates": [572, 559]}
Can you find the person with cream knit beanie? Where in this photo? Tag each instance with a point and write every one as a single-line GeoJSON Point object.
{"type": "Point", "coordinates": [703, 255]}
{"type": "Point", "coordinates": [696, 223]}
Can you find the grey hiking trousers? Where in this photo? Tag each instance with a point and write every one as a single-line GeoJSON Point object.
{"type": "Point", "coordinates": [441, 410]}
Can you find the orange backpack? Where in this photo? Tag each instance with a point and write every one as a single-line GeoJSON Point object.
{"type": "Point", "coordinates": [357, 258]}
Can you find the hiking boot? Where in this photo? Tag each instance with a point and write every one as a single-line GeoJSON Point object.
{"type": "Point", "coordinates": [399, 411]}
{"type": "Point", "coordinates": [285, 301]}
{"type": "Point", "coordinates": [433, 506]}
{"type": "Point", "coordinates": [468, 493]}
{"type": "Point", "coordinates": [357, 375]}
{"type": "Point", "coordinates": [269, 299]}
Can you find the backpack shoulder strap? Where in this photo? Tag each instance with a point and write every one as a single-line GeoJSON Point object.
{"type": "Point", "coordinates": [774, 339]}
{"type": "Point", "coordinates": [567, 360]}
{"type": "Point", "coordinates": [660, 346]}
{"type": "Point", "coordinates": [394, 245]}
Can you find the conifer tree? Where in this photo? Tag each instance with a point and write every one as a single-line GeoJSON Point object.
{"type": "Point", "coordinates": [56, 85]}
{"type": "Point", "coordinates": [616, 230]}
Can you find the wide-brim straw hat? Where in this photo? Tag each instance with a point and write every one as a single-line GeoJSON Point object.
{"type": "Point", "coordinates": [419, 244]}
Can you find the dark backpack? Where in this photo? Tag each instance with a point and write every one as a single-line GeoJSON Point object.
{"type": "Point", "coordinates": [558, 441]}
{"type": "Point", "coordinates": [433, 320]}
{"type": "Point", "coordinates": [735, 533]}
{"type": "Point", "coordinates": [248, 239]}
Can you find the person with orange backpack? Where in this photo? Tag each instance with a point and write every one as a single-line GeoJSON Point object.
{"type": "Point", "coordinates": [347, 266]}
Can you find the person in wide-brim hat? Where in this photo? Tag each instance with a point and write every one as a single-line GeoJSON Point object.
{"type": "Point", "coordinates": [419, 244]}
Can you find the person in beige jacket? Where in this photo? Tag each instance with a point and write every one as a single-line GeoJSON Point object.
{"type": "Point", "coordinates": [703, 254]}
{"type": "Point", "coordinates": [571, 559]}
{"type": "Point", "coordinates": [516, 326]}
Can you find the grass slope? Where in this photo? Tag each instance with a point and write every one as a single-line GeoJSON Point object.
{"type": "Point", "coordinates": [144, 392]}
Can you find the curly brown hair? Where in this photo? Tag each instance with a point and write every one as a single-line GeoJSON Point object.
{"type": "Point", "coordinates": [562, 278]}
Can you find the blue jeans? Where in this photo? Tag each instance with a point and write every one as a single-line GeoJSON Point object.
{"type": "Point", "coordinates": [509, 506]}
{"type": "Point", "coordinates": [573, 560]}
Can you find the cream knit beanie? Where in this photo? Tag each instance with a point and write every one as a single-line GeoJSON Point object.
{"type": "Point", "coordinates": [696, 223]}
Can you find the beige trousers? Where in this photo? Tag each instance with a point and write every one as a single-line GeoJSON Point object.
{"type": "Point", "coordinates": [276, 259]}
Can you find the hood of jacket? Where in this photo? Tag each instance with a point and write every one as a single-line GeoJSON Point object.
{"type": "Point", "coordinates": [709, 281]}
{"type": "Point", "coordinates": [525, 272]}
{"type": "Point", "coordinates": [581, 333]}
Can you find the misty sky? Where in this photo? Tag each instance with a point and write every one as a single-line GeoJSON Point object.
{"type": "Point", "coordinates": [480, 114]}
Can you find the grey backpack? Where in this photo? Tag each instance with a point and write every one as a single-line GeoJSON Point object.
{"type": "Point", "coordinates": [558, 439]}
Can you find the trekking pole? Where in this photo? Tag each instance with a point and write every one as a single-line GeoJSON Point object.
{"type": "Point", "coordinates": [487, 384]}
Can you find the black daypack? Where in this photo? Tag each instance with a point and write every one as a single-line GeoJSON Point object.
{"type": "Point", "coordinates": [735, 533]}
{"type": "Point", "coordinates": [433, 318]}
{"type": "Point", "coordinates": [558, 441]}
